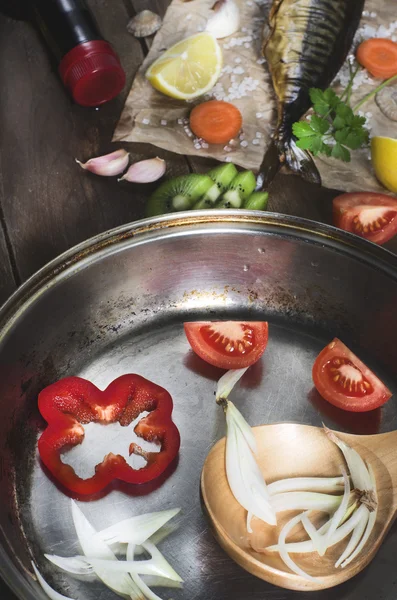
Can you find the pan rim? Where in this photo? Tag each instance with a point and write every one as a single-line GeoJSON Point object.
{"type": "Point", "coordinates": [312, 231]}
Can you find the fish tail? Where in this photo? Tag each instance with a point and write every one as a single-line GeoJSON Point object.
{"type": "Point", "coordinates": [270, 165]}
{"type": "Point", "coordinates": [286, 152]}
{"type": "Point", "coordinates": [301, 162]}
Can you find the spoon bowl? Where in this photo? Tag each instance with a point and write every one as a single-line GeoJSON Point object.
{"type": "Point", "coordinates": [290, 450]}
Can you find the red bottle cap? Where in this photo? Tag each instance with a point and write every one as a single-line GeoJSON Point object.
{"type": "Point", "coordinates": [92, 73]}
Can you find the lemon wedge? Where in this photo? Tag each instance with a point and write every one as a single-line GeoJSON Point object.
{"type": "Point", "coordinates": [384, 160]}
{"type": "Point", "coordinates": [188, 69]}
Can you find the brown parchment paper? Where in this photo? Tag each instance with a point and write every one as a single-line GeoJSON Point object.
{"type": "Point", "coordinates": [151, 117]}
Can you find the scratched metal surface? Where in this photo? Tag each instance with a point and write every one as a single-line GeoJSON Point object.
{"type": "Point", "coordinates": [116, 306]}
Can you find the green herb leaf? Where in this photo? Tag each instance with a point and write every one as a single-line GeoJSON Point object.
{"type": "Point", "coordinates": [320, 104]}
{"type": "Point", "coordinates": [339, 151]}
{"type": "Point", "coordinates": [341, 135]}
{"type": "Point", "coordinates": [302, 129]}
{"type": "Point", "coordinates": [338, 122]}
{"type": "Point", "coordinates": [333, 127]}
{"type": "Point", "coordinates": [353, 141]}
{"type": "Point", "coordinates": [319, 125]}
{"type": "Point", "coordinates": [306, 143]}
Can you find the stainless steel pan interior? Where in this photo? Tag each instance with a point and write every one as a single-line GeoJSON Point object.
{"type": "Point", "coordinates": [116, 304]}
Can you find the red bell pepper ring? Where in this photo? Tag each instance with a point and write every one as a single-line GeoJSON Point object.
{"type": "Point", "coordinates": [72, 402]}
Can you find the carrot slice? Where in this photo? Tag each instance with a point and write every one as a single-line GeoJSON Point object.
{"type": "Point", "coordinates": [379, 57]}
{"type": "Point", "coordinates": [215, 121]}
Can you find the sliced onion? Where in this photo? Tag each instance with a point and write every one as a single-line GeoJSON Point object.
{"type": "Point", "coordinates": [342, 532]}
{"type": "Point", "coordinates": [51, 593]}
{"type": "Point", "coordinates": [244, 476]}
{"type": "Point", "coordinates": [354, 540]}
{"type": "Point", "coordinates": [284, 552]}
{"type": "Point", "coordinates": [138, 529]}
{"type": "Point", "coordinates": [157, 565]}
{"type": "Point", "coordinates": [339, 514]}
{"type": "Point", "coordinates": [314, 535]}
{"type": "Point", "coordinates": [368, 530]}
{"type": "Point", "coordinates": [307, 484]}
{"type": "Point", "coordinates": [76, 565]}
{"type": "Point", "coordinates": [155, 581]}
{"type": "Point", "coordinates": [242, 424]}
{"type": "Point", "coordinates": [227, 382]}
{"type": "Point", "coordinates": [305, 501]}
{"type": "Point", "coordinates": [358, 470]}
{"type": "Point", "coordinates": [120, 583]}
{"type": "Point", "coordinates": [371, 521]}
{"type": "Point", "coordinates": [143, 586]}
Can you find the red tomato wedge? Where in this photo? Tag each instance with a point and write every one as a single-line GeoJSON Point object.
{"type": "Point", "coordinates": [367, 214]}
{"type": "Point", "coordinates": [228, 344]}
{"type": "Point", "coordinates": [342, 379]}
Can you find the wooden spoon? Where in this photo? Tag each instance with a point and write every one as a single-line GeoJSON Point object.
{"type": "Point", "coordinates": [289, 450]}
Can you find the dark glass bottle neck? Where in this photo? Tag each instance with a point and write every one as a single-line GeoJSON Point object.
{"type": "Point", "coordinates": [65, 24]}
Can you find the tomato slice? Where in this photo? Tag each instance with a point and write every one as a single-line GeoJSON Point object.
{"type": "Point", "coordinates": [228, 344]}
{"type": "Point", "coordinates": [342, 379]}
{"type": "Point", "coordinates": [369, 215]}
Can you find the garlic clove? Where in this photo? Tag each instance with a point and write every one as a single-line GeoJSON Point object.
{"type": "Point", "coordinates": [144, 24]}
{"type": "Point", "coordinates": [145, 171]}
{"type": "Point", "coordinates": [386, 99]}
{"type": "Point", "coordinates": [108, 165]}
{"type": "Point", "coordinates": [225, 19]}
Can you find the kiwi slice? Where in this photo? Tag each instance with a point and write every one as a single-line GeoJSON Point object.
{"type": "Point", "coordinates": [239, 190]}
{"type": "Point", "coordinates": [222, 177]}
{"type": "Point", "coordinates": [257, 201]}
{"type": "Point", "coordinates": [179, 193]}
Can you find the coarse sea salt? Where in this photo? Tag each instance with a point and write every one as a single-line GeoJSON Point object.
{"type": "Point", "coordinates": [163, 122]}
{"type": "Point", "coordinates": [145, 121]}
{"type": "Point", "coordinates": [244, 143]}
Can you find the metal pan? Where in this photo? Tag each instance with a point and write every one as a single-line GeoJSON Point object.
{"type": "Point", "coordinates": [116, 304]}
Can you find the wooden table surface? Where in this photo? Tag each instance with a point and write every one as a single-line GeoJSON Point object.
{"type": "Point", "coordinates": [48, 204]}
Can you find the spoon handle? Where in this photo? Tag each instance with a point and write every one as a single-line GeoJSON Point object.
{"type": "Point", "coordinates": [384, 447]}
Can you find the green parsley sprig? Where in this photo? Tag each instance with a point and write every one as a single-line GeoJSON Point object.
{"type": "Point", "coordinates": [333, 129]}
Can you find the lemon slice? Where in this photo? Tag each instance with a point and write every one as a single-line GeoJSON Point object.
{"type": "Point", "coordinates": [384, 160]}
{"type": "Point", "coordinates": [188, 69]}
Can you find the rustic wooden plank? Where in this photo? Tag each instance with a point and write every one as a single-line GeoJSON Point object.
{"type": "Point", "coordinates": [7, 280]}
{"type": "Point", "coordinates": [48, 203]}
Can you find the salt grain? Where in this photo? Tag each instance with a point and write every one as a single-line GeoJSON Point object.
{"type": "Point", "coordinates": [145, 121]}
{"type": "Point", "coordinates": [227, 149]}
{"type": "Point", "coordinates": [258, 134]}
{"type": "Point", "coordinates": [163, 121]}
{"type": "Point", "coordinates": [180, 121]}
{"type": "Point", "coordinates": [261, 61]}
{"type": "Point", "coordinates": [237, 60]}
{"type": "Point", "coordinates": [259, 115]}
{"type": "Point", "coordinates": [256, 142]}
{"type": "Point", "coordinates": [244, 143]}
{"type": "Point", "coordinates": [205, 145]}
{"type": "Point", "coordinates": [228, 159]}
